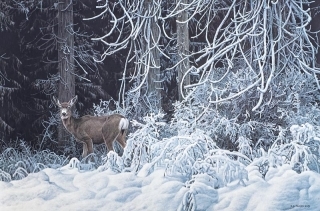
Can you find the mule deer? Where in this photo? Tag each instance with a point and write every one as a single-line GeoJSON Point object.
{"type": "Point", "coordinates": [91, 130]}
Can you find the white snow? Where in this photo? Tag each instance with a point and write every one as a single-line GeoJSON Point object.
{"type": "Point", "coordinates": [70, 189]}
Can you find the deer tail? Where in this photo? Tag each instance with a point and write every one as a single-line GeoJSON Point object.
{"type": "Point", "coordinates": [123, 124]}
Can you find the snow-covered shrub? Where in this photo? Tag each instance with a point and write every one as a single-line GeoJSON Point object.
{"type": "Point", "coordinates": [83, 165]}
{"type": "Point", "coordinates": [74, 163]}
{"type": "Point", "coordinates": [184, 151]}
{"type": "Point", "coordinates": [305, 148]}
{"type": "Point", "coordinates": [188, 155]}
{"type": "Point", "coordinates": [201, 195]}
{"type": "Point", "coordinates": [218, 169]}
{"type": "Point", "coordinates": [178, 154]}
{"type": "Point", "coordinates": [221, 165]}
{"type": "Point", "coordinates": [302, 151]}
{"type": "Point", "coordinates": [112, 162]}
{"type": "Point", "coordinates": [20, 173]}
{"type": "Point", "coordinates": [245, 146]}
{"type": "Point", "coordinates": [92, 161]}
{"type": "Point", "coordinates": [4, 176]}
{"type": "Point", "coordinates": [234, 126]}
{"type": "Point", "coordinates": [19, 162]}
{"type": "Point", "coordinates": [232, 123]}
{"type": "Point", "coordinates": [188, 152]}
{"type": "Point", "coordinates": [227, 166]}
{"type": "Point", "coordinates": [225, 122]}
{"type": "Point", "coordinates": [144, 144]}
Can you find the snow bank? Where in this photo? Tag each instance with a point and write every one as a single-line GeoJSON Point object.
{"type": "Point", "coordinates": [282, 189]}
{"type": "Point", "coordinates": [69, 189]}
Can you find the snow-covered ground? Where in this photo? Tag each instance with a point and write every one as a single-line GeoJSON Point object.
{"type": "Point", "coordinates": [70, 189]}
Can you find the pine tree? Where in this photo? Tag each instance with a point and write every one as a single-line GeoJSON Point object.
{"type": "Point", "coordinates": [66, 85]}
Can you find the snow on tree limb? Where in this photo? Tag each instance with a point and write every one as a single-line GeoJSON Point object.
{"type": "Point", "coordinates": [264, 37]}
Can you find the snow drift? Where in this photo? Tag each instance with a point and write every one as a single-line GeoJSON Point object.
{"type": "Point", "coordinates": [71, 189]}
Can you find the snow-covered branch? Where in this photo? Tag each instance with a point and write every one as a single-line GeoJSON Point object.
{"type": "Point", "coordinates": [263, 37]}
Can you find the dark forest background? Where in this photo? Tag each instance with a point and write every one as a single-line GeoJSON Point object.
{"type": "Point", "coordinates": [29, 70]}
{"type": "Point", "coordinates": [29, 66]}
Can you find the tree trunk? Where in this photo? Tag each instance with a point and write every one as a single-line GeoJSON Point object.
{"type": "Point", "coordinates": [153, 78]}
{"type": "Point", "coordinates": [66, 87]}
{"type": "Point", "coordinates": [315, 26]}
{"type": "Point", "coordinates": [183, 44]}
{"type": "Point", "coordinates": [154, 85]}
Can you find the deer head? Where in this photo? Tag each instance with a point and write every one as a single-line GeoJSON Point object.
{"type": "Point", "coordinates": [65, 107]}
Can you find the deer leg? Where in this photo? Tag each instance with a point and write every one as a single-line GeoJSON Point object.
{"type": "Point", "coordinates": [122, 139]}
{"type": "Point", "coordinates": [90, 147]}
{"type": "Point", "coordinates": [85, 150]}
{"type": "Point", "coordinates": [87, 146]}
{"type": "Point", "coordinates": [109, 146]}
{"type": "Point", "coordinates": [109, 139]}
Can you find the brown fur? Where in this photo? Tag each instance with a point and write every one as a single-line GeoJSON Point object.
{"type": "Point", "coordinates": [91, 130]}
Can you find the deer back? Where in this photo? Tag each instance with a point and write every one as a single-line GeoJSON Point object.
{"type": "Point", "coordinates": [89, 126]}
{"type": "Point", "coordinates": [94, 126]}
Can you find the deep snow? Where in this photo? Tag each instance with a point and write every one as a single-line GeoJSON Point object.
{"type": "Point", "coordinates": [71, 189]}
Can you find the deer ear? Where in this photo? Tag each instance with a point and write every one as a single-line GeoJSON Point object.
{"type": "Point", "coordinates": [56, 101]}
{"type": "Point", "coordinates": [73, 100]}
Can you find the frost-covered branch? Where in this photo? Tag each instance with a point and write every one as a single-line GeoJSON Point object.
{"type": "Point", "coordinates": [134, 28]}
{"type": "Point", "coordinates": [264, 37]}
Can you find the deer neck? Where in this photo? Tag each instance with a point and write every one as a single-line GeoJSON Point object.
{"type": "Point", "coordinates": [69, 124]}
